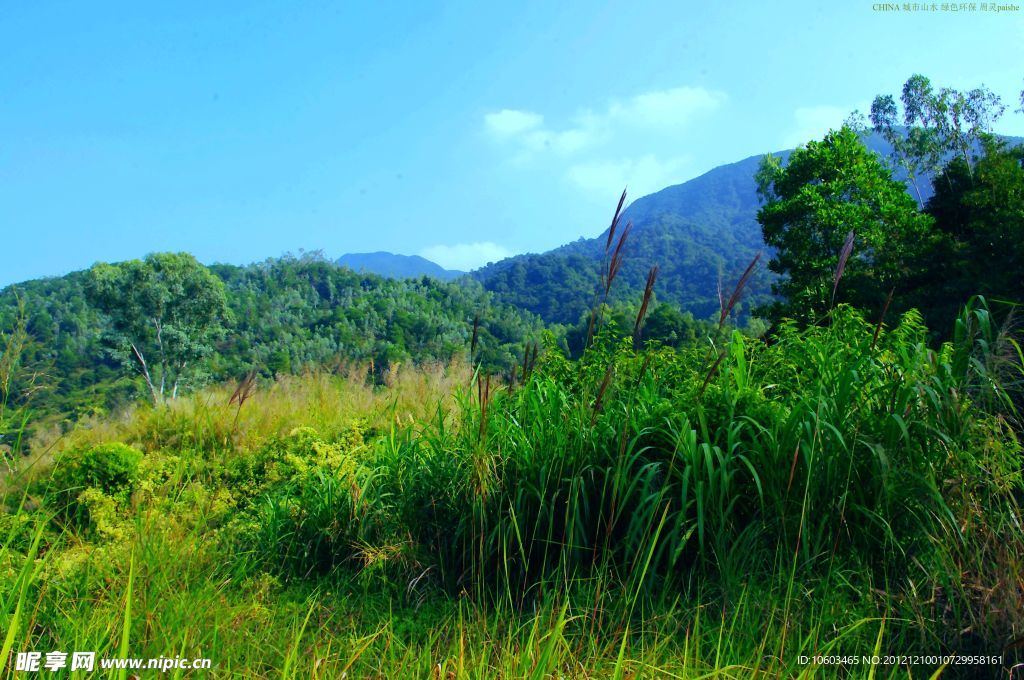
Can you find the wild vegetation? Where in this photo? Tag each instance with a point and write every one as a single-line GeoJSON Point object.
{"type": "Point", "coordinates": [191, 325]}
{"type": "Point", "coordinates": [834, 209]}
{"type": "Point", "coordinates": [640, 495]}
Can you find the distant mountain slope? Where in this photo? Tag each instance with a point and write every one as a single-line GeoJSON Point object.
{"type": "Point", "coordinates": [699, 233]}
{"type": "Point", "coordinates": [396, 266]}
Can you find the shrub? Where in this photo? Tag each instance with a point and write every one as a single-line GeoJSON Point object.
{"type": "Point", "coordinates": [112, 469]}
{"type": "Point", "coordinates": [308, 504]}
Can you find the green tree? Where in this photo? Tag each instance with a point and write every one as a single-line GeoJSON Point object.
{"type": "Point", "coordinates": [164, 314]}
{"type": "Point", "coordinates": [828, 190]}
{"type": "Point", "coordinates": [669, 325]}
{"type": "Point", "coordinates": [935, 124]}
{"type": "Point", "coordinates": [979, 216]}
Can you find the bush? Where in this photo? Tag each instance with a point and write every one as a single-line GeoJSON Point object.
{"type": "Point", "coordinates": [307, 502]}
{"type": "Point", "coordinates": [111, 469]}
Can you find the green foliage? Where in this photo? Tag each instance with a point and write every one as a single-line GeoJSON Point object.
{"type": "Point", "coordinates": [804, 491]}
{"type": "Point", "coordinates": [283, 316]}
{"type": "Point", "coordinates": [89, 485]}
{"type": "Point", "coordinates": [813, 437]}
{"type": "Point", "coordinates": [664, 325]}
{"type": "Point", "coordinates": [824, 192]}
{"type": "Point", "coordinates": [303, 501]}
{"type": "Point", "coordinates": [557, 289]}
{"type": "Point", "coordinates": [979, 218]}
{"type": "Point", "coordinates": [935, 124]}
{"type": "Point", "coordinates": [111, 468]}
{"type": "Point", "coordinates": [65, 350]}
{"type": "Point", "coordinates": [299, 314]}
{"type": "Point", "coordinates": [830, 442]}
{"type": "Point", "coordinates": [974, 200]}
{"type": "Point", "coordinates": [168, 307]}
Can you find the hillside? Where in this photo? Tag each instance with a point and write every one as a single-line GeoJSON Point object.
{"type": "Point", "coordinates": [699, 233]}
{"type": "Point", "coordinates": [284, 316]}
{"type": "Point", "coordinates": [395, 266]}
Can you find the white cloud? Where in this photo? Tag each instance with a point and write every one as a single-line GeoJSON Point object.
{"type": "Point", "coordinates": [465, 256]}
{"type": "Point", "coordinates": [632, 141]}
{"type": "Point", "coordinates": [811, 123]}
{"type": "Point", "coordinates": [657, 111]}
{"type": "Point", "coordinates": [526, 132]}
{"type": "Point", "coordinates": [643, 175]}
{"type": "Point", "coordinates": [509, 122]}
{"type": "Point", "coordinates": [666, 108]}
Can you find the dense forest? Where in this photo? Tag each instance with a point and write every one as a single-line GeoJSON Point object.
{"type": "Point", "coordinates": [277, 317]}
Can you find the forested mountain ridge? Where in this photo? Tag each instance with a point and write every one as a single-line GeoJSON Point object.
{"type": "Point", "coordinates": [702, 233]}
{"type": "Point", "coordinates": [698, 233]}
{"type": "Point", "coordinates": [282, 316]}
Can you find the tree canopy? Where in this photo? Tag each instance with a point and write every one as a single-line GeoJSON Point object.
{"type": "Point", "coordinates": [935, 124]}
{"type": "Point", "coordinates": [165, 312]}
{"type": "Point", "coordinates": [965, 239]}
{"type": "Point", "coordinates": [827, 191]}
{"type": "Point", "coordinates": [284, 315]}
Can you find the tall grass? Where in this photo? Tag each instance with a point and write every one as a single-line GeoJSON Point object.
{"type": "Point", "coordinates": [845, 490]}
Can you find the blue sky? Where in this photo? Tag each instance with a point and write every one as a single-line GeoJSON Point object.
{"type": "Point", "coordinates": [461, 131]}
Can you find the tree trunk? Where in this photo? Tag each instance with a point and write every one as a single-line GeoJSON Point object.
{"type": "Point", "coordinates": [174, 391]}
{"type": "Point", "coordinates": [144, 369]}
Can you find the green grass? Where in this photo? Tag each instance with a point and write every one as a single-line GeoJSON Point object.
{"type": "Point", "coordinates": [698, 513]}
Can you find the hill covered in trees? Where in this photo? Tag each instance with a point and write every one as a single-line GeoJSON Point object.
{"type": "Point", "coordinates": [699, 233]}
{"type": "Point", "coordinates": [278, 316]}
{"type": "Point", "coordinates": [702, 234]}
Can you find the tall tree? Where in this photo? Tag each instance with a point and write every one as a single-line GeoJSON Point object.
{"type": "Point", "coordinates": [980, 217]}
{"type": "Point", "coordinates": [164, 311]}
{"type": "Point", "coordinates": [935, 124]}
{"type": "Point", "coordinates": [827, 191]}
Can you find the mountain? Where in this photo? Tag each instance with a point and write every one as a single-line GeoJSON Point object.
{"type": "Point", "coordinates": [699, 233]}
{"type": "Point", "coordinates": [702, 234]}
{"type": "Point", "coordinates": [396, 266]}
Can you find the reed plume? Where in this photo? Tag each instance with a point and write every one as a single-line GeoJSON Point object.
{"type": "Point", "coordinates": [726, 309]}
{"type": "Point", "coordinates": [881, 318]}
{"type": "Point", "coordinates": [844, 255]}
{"type": "Point", "coordinates": [615, 222]}
{"type": "Point", "coordinates": [476, 330]}
{"type": "Point", "coordinates": [738, 290]}
{"type": "Point", "coordinates": [616, 262]}
{"type": "Point", "coordinates": [648, 291]}
{"type": "Point", "coordinates": [529, 360]}
{"type": "Point", "coordinates": [609, 267]}
{"type": "Point", "coordinates": [245, 389]}
{"type": "Point", "coordinates": [609, 372]}
{"type": "Point", "coordinates": [484, 393]}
